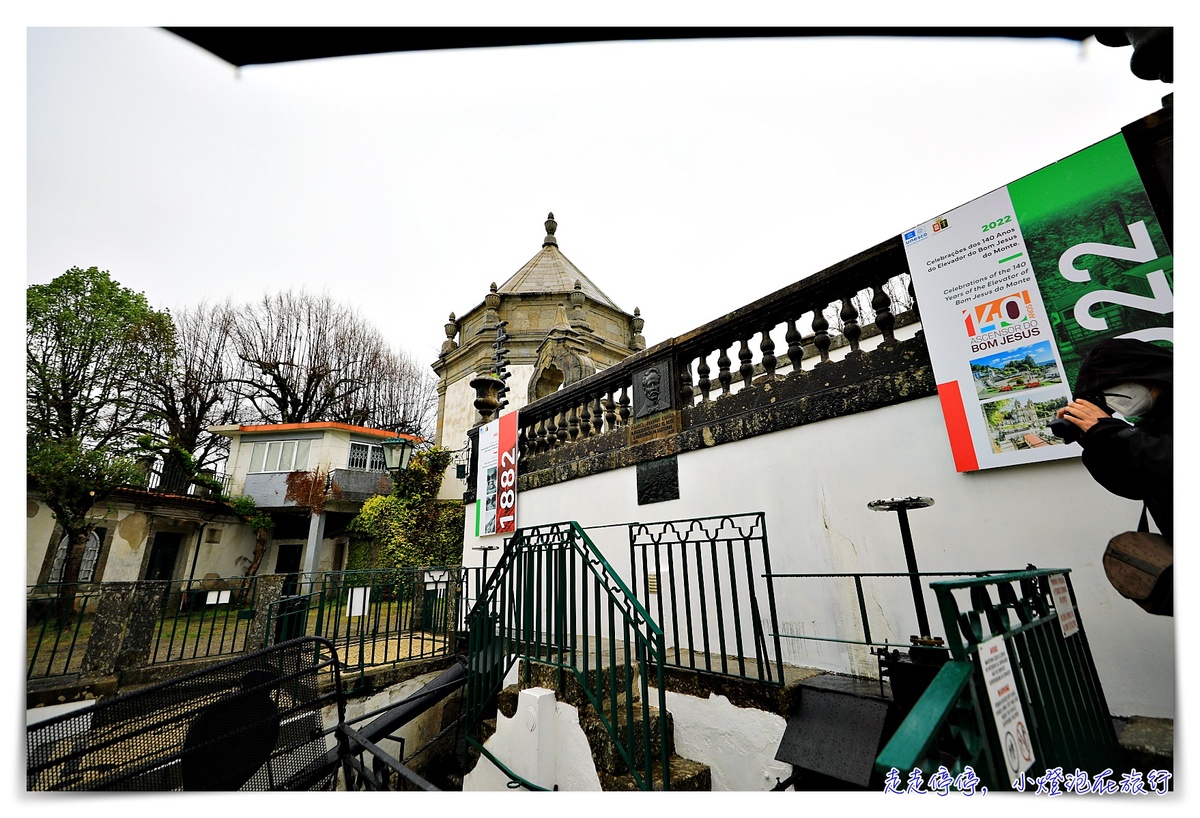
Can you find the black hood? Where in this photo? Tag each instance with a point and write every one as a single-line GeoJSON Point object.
{"type": "Point", "coordinates": [1119, 360]}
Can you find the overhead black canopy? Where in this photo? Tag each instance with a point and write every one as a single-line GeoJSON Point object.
{"type": "Point", "coordinates": [262, 45]}
{"type": "Point", "coordinates": [254, 46]}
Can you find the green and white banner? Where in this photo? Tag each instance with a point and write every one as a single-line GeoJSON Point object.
{"type": "Point", "coordinates": [1018, 285]}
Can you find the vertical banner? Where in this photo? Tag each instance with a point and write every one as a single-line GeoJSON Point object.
{"type": "Point", "coordinates": [1018, 285]}
{"type": "Point", "coordinates": [496, 481]}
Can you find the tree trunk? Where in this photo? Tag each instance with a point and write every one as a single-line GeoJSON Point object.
{"type": "Point", "coordinates": [77, 540]}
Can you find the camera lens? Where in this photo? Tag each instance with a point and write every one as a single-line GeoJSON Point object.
{"type": "Point", "coordinates": [1065, 429]}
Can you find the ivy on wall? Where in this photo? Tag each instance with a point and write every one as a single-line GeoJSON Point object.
{"type": "Point", "coordinates": [409, 527]}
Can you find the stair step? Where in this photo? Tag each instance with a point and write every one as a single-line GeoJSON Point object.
{"type": "Point", "coordinates": [660, 726]}
{"type": "Point", "coordinates": [686, 776]}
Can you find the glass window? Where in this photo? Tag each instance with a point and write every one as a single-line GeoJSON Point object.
{"type": "Point", "coordinates": [280, 455]}
{"type": "Point", "coordinates": [87, 568]}
{"type": "Point", "coordinates": [287, 455]}
{"type": "Point", "coordinates": [366, 457]}
{"type": "Point", "coordinates": [272, 463]}
{"type": "Point", "coordinates": [258, 457]}
{"type": "Point", "coordinates": [301, 463]}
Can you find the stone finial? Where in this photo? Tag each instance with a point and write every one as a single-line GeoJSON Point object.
{"type": "Point", "coordinates": [638, 322]}
{"type": "Point", "coordinates": [560, 318]}
{"type": "Point", "coordinates": [491, 303]}
{"type": "Point", "coordinates": [551, 226]}
{"type": "Point", "coordinates": [451, 327]}
{"type": "Point", "coordinates": [577, 299]}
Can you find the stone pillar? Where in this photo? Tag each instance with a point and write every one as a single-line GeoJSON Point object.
{"type": "Point", "coordinates": [123, 627]}
{"type": "Point", "coordinates": [269, 591]}
{"type": "Point", "coordinates": [316, 536]}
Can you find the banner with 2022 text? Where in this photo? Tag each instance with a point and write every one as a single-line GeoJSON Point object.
{"type": "Point", "coordinates": [1018, 285]}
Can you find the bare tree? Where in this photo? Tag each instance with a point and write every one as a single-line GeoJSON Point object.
{"type": "Point", "coordinates": [189, 390]}
{"type": "Point", "coordinates": [308, 358]}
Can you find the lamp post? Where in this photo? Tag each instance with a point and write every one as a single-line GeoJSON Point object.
{"type": "Point", "coordinates": [397, 453]}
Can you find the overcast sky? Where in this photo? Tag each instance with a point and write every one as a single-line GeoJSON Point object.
{"type": "Point", "coordinates": [687, 177]}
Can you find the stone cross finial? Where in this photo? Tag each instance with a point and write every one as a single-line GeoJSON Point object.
{"type": "Point", "coordinates": [551, 226]}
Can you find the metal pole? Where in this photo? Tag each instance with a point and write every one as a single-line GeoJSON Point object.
{"type": "Point", "coordinates": [910, 556]}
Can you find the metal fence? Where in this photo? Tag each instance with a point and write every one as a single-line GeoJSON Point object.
{"type": "Point", "coordinates": [708, 582]}
{"type": "Point", "coordinates": [204, 618]}
{"type": "Point", "coordinates": [554, 602]}
{"type": "Point", "coordinates": [1021, 693]}
{"type": "Point", "coordinates": [373, 618]}
{"type": "Point", "coordinates": [378, 617]}
{"type": "Point", "coordinates": [58, 625]}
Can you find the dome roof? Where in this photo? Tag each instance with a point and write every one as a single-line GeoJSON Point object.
{"type": "Point", "coordinates": [551, 272]}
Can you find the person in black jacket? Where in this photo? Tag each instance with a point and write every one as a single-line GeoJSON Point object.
{"type": "Point", "coordinates": [1132, 458]}
{"type": "Point", "coordinates": [1132, 378]}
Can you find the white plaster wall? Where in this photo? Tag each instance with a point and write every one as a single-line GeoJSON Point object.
{"type": "Point", "coordinates": [39, 526]}
{"type": "Point", "coordinates": [737, 743]}
{"type": "Point", "coordinates": [814, 483]}
{"type": "Point", "coordinates": [415, 734]}
{"type": "Point", "coordinates": [543, 740]}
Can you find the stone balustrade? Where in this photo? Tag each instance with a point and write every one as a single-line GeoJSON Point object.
{"type": "Point", "coordinates": [821, 333]}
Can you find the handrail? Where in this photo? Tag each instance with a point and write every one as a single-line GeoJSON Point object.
{"type": "Point", "coordinates": [1065, 715]}
{"type": "Point", "coordinates": [555, 602]}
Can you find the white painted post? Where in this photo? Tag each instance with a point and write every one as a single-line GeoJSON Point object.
{"type": "Point", "coordinates": [535, 714]}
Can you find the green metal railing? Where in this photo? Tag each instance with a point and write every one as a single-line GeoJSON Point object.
{"type": "Point", "coordinates": [554, 601]}
{"type": "Point", "coordinates": [702, 578]}
{"type": "Point", "coordinates": [204, 618]}
{"type": "Point", "coordinates": [55, 645]}
{"type": "Point", "coordinates": [1066, 718]}
{"type": "Point", "coordinates": [376, 618]}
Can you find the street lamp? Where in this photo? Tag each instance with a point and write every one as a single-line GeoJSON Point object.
{"type": "Point", "coordinates": [397, 452]}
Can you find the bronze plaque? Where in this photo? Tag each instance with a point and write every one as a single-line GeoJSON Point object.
{"type": "Point", "coordinates": [663, 424]}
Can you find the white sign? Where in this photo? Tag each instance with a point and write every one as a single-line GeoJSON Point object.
{"type": "Point", "coordinates": [360, 598]}
{"type": "Point", "coordinates": [1062, 603]}
{"type": "Point", "coordinates": [1006, 707]}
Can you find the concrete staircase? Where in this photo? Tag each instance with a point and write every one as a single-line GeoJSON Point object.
{"type": "Point", "coordinates": [611, 768]}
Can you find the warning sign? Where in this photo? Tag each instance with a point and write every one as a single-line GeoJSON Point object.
{"type": "Point", "coordinates": [1062, 603]}
{"type": "Point", "coordinates": [1006, 706]}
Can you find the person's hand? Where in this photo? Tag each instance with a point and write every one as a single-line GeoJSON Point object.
{"type": "Point", "coordinates": [1082, 413]}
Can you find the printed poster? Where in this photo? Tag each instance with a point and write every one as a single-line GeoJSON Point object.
{"type": "Point", "coordinates": [1018, 285]}
{"type": "Point", "coordinates": [496, 480]}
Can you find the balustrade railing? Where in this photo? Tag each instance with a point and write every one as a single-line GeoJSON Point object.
{"type": "Point", "coordinates": [848, 310]}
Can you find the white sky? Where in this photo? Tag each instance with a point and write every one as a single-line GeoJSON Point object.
{"type": "Point", "coordinates": [688, 177]}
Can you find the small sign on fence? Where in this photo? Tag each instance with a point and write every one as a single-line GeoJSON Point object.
{"type": "Point", "coordinates": [1007, 712]}
{"type": "Point", "coordinates": [1062, 603]}
{"type": "Point", "coordinates": [360, 598]}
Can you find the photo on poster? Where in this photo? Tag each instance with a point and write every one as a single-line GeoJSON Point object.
{"type": "Point", "coordinates": [491, 480]}
{"type": "Point", "coordinates": [1016, 370]}
{"type": "Point", "coordinates": [1020, 423]}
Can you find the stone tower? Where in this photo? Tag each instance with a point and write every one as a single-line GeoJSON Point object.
{"type": "Point", "coordinates": [561, 328]}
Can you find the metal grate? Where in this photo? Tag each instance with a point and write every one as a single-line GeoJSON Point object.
{"type": "Point", "coordinates": [252, 723]}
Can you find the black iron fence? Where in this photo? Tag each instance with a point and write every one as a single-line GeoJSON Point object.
{"type": "Point", "coordinates": [373, 618]}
